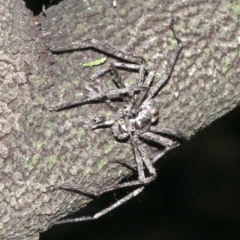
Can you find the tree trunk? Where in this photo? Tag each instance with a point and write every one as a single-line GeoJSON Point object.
{"type": "Point", "coordinates": [40, 150]}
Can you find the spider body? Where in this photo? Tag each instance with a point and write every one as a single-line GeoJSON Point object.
{"type": "Point", "coordinates": [136, 121]}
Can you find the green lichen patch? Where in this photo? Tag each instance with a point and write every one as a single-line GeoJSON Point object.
{"type": "Point", "coordinates": [225, 65]}
{"type": "Point", "coordinates": [48, 133]}
{"type": "Point", "coordinates": [66, 85]}
{"type": "Point", "coordinates": [51, 160]}
{"type": "Point", "coordinates": [33, 160]}
{"type": "Point", "coordinates": [37, 145]}
{"type": "Point", "coordinates": [212, 63]}
{"type": "Point", "coordinates": [173, 41]}
{"type": "Point", "coordinates": [80, 133]}
{"type": "Point", "coordinates": [207, 52]}
{"type": "Point", "coordinates": [86, 171]}
{"type": "Point", "coordinates": [108, 147]}
{"type": "Point", "coordinates": [73, 131]}
{"type": "Point", "coordinates": [36, 81]}
{"type": "Point", "coordinates": [80, 29]}
{"type": "Point", "coordinates": [63, 158]}
{"type": "Point", "coordinates": [235, 7]}
{"type": "Point", "coordinates": [102, 163]}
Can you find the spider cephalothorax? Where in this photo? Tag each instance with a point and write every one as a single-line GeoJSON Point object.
{"type": "Point", "coordinates": [135, 121]}
{"type": "Point", "coordinates": [131, 120]}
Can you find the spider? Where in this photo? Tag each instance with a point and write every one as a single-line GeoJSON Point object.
{"type": "Point", "coordinates": [136, 121]}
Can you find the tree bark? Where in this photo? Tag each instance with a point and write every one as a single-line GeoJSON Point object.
{"type": "Point", "coordinates": [40, 150]}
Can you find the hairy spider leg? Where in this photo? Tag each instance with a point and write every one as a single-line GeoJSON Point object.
{"type": "Point", "coordinates": [141, 158]}
{"type": "Point", "coordinates": [133, 167]}
{"type": "Point", "coordinates": [97, 96]}
{"type": "Point", "coordinates": [104, 211]}
{"type": "Point", "coordinates": [101, 72]}
{"type": "Point", "coordinates": [130, 166]}
{"type": "Point", "coordinates": [102, 122]}
{"type": "Point", "coordinates": [180, 136]}
{"type": "Point", "coordinates": [140, 152]}
{"type": "Point", "coordinates": [159, 84]}
{"type": "Point", "coordinates": [119, 83]}
{"type": "Point", "coordinates": [161, 154]}
{"type": "Point", "coordinates": [117, 78]}
{"type": "Point", "coordinates": [138, 99]}
{"type": "Point", "coordinates": [93, 92]}
{"type": "Point", "coordinates": [152, 135]}
{"type": "Point", "coordinates": [104, 47]}
{"type": "Point", "coordinates": [117, 133]}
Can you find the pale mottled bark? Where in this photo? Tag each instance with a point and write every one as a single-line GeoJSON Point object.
{"type": "Point", "coordinates": [39, 149]}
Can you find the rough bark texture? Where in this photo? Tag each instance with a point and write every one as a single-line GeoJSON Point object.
{"type": "Point", "coordinates": [40, 149]}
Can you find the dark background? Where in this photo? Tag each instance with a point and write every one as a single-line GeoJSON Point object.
{"type": "Point", "coordinates": [196, 195]}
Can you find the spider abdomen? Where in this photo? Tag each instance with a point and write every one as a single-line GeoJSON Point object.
{"type": "Point", "coordinates": [153, 109]}
{"type": "Point", "coordinates": [143, 120]}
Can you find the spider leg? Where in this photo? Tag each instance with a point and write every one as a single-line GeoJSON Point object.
{"type": "Point", "coordinates": [130, 166]}
{"type": "Point", "coordinates": [133, 166]}
{"type": "Point", "coordinates": [152, 137]}
{"type": "Point", "coordinates": [137, 100]}
{"type": "Point", "coordinates": [162, 153]}
{"type": "Point", "coordinates": [93, 43]}
{"type": "Point", "coordinates": [127, 197]}
{"type": "Point", "coordinates": [107, 48]}
{"type": "Point", "coordinates": [97, 96]}
{"type": "Point", "coordinates": [171, 66]}
{"type": "Point", "coordinates": [98, 45]}
{"type": "Point", "coordinates": [112, 106]}
{"type": "Point", "coordinates": [101, 72]}
{"type": "Point", "coordinates": [116, 78]}
{"type": "Point", "coordinates": [169, 132]}
{"type": "Point", "coordinates": [141, 157]}
{"type": "Point", "coordinates": [102, 122]}
{"type": "Point", "coordinates": [120, 84]}
{"type": "Point", "coordinates": [104, 211]}
{"type": "Point", "coordinates": [120, 135]}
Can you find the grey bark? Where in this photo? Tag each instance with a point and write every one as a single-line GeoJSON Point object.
{"type": "Point", "coordinates": [40, 149]}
